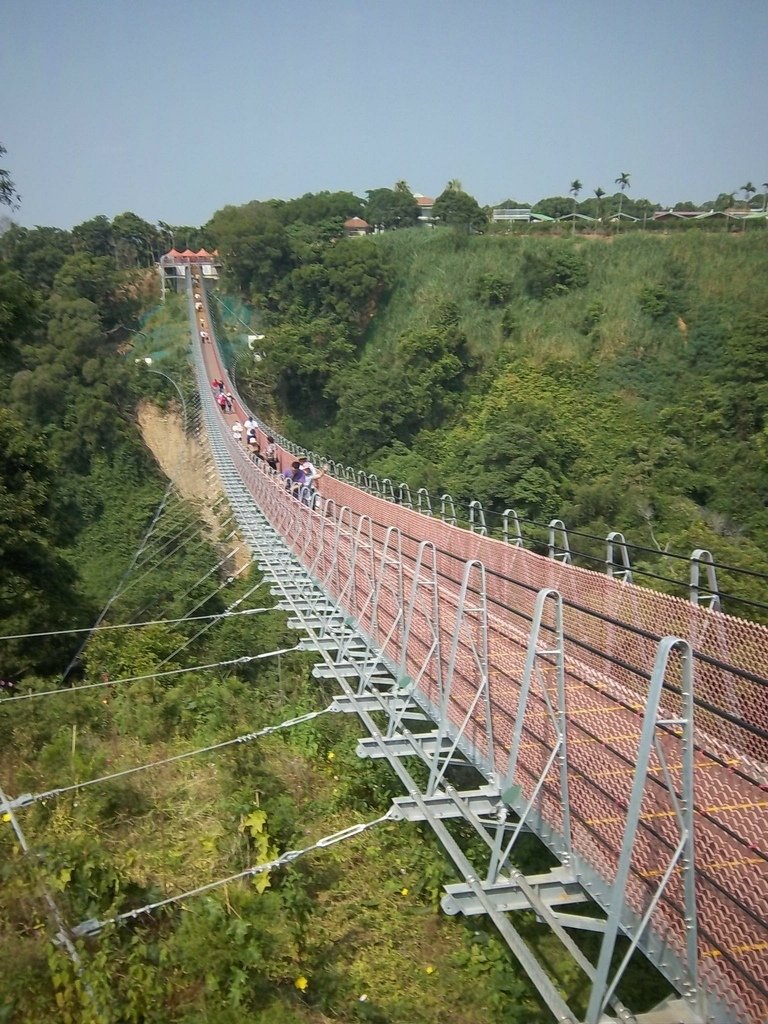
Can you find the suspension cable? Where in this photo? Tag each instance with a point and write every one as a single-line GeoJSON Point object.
{"type": "Point", "coordinates": [94, 926]}
{"type": "Point", "coordinates": [30, 798]}
{"type": "Point", "coordinates": [63, 933]}
{"type": "Point", "coordinates": [144, 541]}
{"type": "Point", "coordinates": [245, 660]}
{"type": "Point", "coordinates": [203, 629]}
{"type": "Point", "coordinates": [133, 625]}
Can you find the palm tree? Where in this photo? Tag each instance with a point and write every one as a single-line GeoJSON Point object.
{"type": "Point", "coordinates": [402, 186]}
{"type": "Point", "coordinates": [748, 190]}
{"type": "Point", "coordinates": [623, 182]}
{"type": "Point", "coordinates": [575, 188]}
{"type": "Point", "coordinates": [454, 185]}
{"type": "Point", "coordinates": [599, 193]}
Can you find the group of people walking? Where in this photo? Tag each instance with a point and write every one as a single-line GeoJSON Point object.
{"type": "Point", "coordinates": [204, 336]}
{"type": "Point", "coordinates": [301, 476]}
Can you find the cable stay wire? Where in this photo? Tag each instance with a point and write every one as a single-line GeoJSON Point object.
{"type": "Point", "coordinates": [175, 517]}
{"type": "Point", "coordinates": [192, 523]}
{"type": "Point", "coordinates": [137, 579]}
{"type": "Point", "coordinates": [113, 597]}
{"type": "Point", "coordinates": [191, 527]}
{"type": "Point", "coordinates": [222, 585]}
{"type": "Point", "coordinates": [93, 926]}
{"type": "Point", "coordinates": [244, 660]}
{"type": "Point", "coordinates": [31, 798]}
{"type": "Point", "coordinates": [63, 935]}
{"type": "Point", "coordinates": [188, 591]}
{"type": "Point", "coordinates": [178, 514]}
{"type": "Point", "coordinates": [132, 625]}
{"type": "Point", "coordinates": [156, 600]}
{"type": "Point", "coordinates": [208, 625]}
{"type": "Point", "coordinates": [210, 572]}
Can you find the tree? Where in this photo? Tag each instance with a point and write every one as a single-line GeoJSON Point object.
{"type": "Point", "coordinates": [494, 289]}
{"type": "Point", "coordinates": [391, 208]}
{"type": "Point", "coordinates": [748, 190]}
{"type": "Point", "coordinates": [37, 253]}
{"type": "Point", "coordinates": [457, 209]}
{"type": "Point", "coordinates": [325, 210]}
{"type": "Point", "coordinates": [723, 202]}
{"type": "Point", "coordinates": [8, 194]}
{"type": "Point", "coordinates": [574, 190]}
{"type": "Point", "coordinates": [512, 204]}
{"type": "Point", "coordinates": [94, 277]}
{"type": "Point", "coordinates": [254, 245]}
{"type": "Point", "coordinates": [303, 357]}
{"type": "Point", "coordinates": [553, 206]}
{"type": "Point", "coordinates": [37, 582]}
{"type": "Point", "coordinates": [357, 276]}
{"type": "Point", "coordinates": [137, 240]}
{"type": "Point", "coordinates": [552, 270]}
{"type": "Point", "coordinates": [18, 315]}
{"type": "Point", "coordinates": [623, 182]}
{"type": "Point", "coordinates": [599, 193]}
{"type": "Point", "coordinates": [94, 236]}
{"type": "Point", "coordinates": [168, 232]}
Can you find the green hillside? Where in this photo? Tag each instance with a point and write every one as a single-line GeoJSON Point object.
{"type": "Point", "coordinates": [617, 382]}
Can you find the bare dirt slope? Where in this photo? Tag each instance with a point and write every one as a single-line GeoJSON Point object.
{"type": "Point", "coordinates": [183, 460]}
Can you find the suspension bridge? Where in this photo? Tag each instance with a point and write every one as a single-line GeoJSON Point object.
{"type": "Point", "coordinates": [626, 728]}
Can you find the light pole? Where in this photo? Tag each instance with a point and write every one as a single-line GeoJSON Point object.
{"type": "Point", "coordinates": [147, 360]}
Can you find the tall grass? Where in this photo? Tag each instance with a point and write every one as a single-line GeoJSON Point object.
{"type": "Point", "coordinates": [433, 267]}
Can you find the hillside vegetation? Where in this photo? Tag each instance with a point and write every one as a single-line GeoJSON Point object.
{"type": "Point", "coordinates": [350, 933]}
{"type": "Point", "coordinates": [617, 382]}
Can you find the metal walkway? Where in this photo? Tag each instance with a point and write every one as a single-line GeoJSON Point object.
{"type": "Point", "coordinates": [625, 728]}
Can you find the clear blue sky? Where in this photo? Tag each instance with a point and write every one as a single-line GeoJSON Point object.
{"type": "Point", "coordinates": [173, 110]}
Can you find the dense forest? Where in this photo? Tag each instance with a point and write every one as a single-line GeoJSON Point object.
{"type": "Point", "coordinates": [614, 381]}
{"type": "Point", "coordinates": [618, 381]}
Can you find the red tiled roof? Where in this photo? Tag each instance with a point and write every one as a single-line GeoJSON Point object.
{"type": "Point", "coordinates": [425, 201]}
{"type": "Point", "coordinates": [356, 222]}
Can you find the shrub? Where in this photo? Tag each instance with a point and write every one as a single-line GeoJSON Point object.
{"type": "Point", "coordinates": [655, 301]}
{"type": "Point", "coordinates": [493, 289]}
{"type": "Point", "coordinates": [553, 271]}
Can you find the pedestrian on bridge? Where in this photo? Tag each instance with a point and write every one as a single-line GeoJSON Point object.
{"type": "Point", "coordinates": [270, 455]}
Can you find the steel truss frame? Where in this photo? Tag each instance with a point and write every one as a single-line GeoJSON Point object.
{"type": "Point", "coordinates": [380, 690]}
